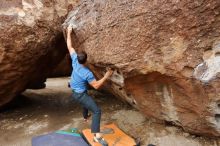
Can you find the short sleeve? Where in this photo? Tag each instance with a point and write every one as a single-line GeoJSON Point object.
{"type": "Point", "coordinates": [74, 59]}
{"type": "Point", "coordinates": [73, 56]}
{"type": "Point", "coordinates": [90, 77]}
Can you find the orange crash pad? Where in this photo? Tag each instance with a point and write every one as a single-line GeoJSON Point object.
{"type": "Point", "coordinates": [112, 134]}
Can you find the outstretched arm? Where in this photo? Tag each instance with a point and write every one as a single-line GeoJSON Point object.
{"type": "Point", "coordinates": [69, 41]}
{"type": "Point", "coordinates": [97, 84]}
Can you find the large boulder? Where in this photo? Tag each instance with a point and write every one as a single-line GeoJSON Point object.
{"type": "Point", "coordinates": [31, 43]}
{"type": "Point", "coordinates": [166, 56]}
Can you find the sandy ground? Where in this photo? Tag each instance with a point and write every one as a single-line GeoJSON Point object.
{"type": "Point", "coordinates": [38, 112]}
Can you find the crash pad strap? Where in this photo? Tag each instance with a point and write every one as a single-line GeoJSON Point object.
{"type": "Point", "coordinates": [68, 133]}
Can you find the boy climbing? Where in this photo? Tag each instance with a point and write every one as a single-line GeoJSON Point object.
{"type": "Point", "coordinates": [82, 76]}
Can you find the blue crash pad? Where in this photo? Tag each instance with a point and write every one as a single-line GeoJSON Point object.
{"type": "Point", "coordinates": [60, 138]}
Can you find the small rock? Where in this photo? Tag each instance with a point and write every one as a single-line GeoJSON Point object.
{"type": "Point", "coordinates": [185, 134]}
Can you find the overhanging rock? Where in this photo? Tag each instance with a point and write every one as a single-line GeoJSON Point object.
{"type": "Point", "coordinates": [31, 43]}
{"type": "Point", "coordinates": [165, 53]}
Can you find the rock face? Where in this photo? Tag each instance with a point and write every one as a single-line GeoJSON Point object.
{"type": "Point", "coordinates": [166, 56]}
{"type": "Point", "coordinates": [31, 43]}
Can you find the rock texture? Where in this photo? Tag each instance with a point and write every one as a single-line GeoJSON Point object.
{"type": "Point", "coordinates": [165, 55]}
{"type": "Point", "coordinates": [31, 43]}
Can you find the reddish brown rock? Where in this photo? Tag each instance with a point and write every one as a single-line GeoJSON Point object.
{"type": "Point", "coordinates": [166, 54]}
{"type": "Point", "coordinates": [31, 43]}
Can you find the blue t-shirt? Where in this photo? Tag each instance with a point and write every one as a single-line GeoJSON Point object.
{"type": "Point", "coordinates": [80, 76]}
